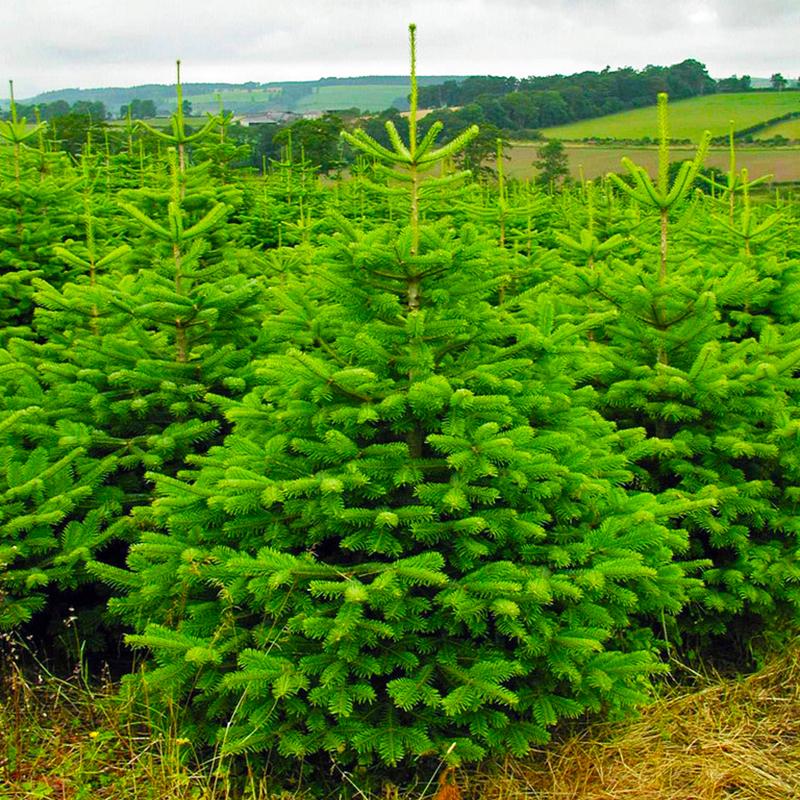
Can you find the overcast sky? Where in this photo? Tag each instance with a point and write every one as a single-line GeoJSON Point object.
{"type": "Point", "coordinates": [53, 44]}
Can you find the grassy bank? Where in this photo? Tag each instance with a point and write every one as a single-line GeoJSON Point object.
{"type": "Point", "coordinates": [717, 738]}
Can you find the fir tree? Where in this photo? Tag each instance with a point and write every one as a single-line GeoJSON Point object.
{"type": "Point", "coordinates": [715, 394]}
{"type": "Point", "coordinates": [416, 534]}
{"type": "Point", "coordinates": [128, 349]}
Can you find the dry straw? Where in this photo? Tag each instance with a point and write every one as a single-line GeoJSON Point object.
{"type": "Point", "coordinates": [733, 738]}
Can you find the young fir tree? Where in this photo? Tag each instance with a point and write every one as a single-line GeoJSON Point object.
{"type": "Point", "coordinates": [37, 201]}
{"type": "Point", "coordinates": [368, 194]}
{"type": "Point", "coordinates": [716, 397]}
{"type": "Point", "coordinates": [735, 232]}
{"type": "Point", "coordinates": [222, 151]}
{"type": "Point", "coordinates": [415, 541]}
{"type": "Point", "coordinates": [515, 216]}
{"type": "Point", "coordinates": [128, 350]}
{"type": "Point", "coordinates": [283, 207]}
{"type": "Point", "coordinates": [56, 511]}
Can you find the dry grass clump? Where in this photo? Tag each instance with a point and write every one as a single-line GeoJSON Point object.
{"type": "Point", "coordinates": [733, 738]}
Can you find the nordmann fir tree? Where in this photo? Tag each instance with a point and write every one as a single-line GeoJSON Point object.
{"type": "Point", "coordinates": [47, 486]}
{"type": "Point", "coordinates": [415, 541]}
{"type": "Point", "coordinates": [515, 217]}
{"type": "Point", "coordinates": [716, 398]}
{"type": "Point", "coordinates": [175, 328]}
{"type": "Point", "coordinates": [37, 198]}
{"type": "Point", "coordinates": [128, 350]}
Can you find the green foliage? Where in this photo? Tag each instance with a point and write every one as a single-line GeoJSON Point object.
{"type": "Point", "coordinates": [399, 546]}
{"type": "Point", "coordinates": [405, 465]}
{"type": "Point", "coordinates": [699, 357]}
{"type": "Point", "coordinates": [552, 163]}
{"type": "Point", "coordinates": [110, 377]}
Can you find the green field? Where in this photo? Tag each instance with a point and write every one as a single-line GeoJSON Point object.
{"type": "Point", "coordinates": [252, 100]}
{"type": "Point", "coordinates": [322, 98]}
{"type": "Point", "coordinates": [688, 118]}
{"type": "Point", "coordinates": [790, 128]}
{"type": "Point", "coordinates": [367, 98]}
{"type": "Point", "coordinates": [783, 163]}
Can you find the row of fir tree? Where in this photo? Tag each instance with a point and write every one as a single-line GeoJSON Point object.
{"type": "Point", "coordinates": [400, 466]}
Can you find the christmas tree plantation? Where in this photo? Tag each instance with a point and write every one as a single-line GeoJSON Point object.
{"type": "Point", "coordinates": [407, 465]}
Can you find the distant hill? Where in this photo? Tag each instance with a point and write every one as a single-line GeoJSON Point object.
{"type": "Point", "coordinates": [373, 93]}
{"type": "Point", "coordinates": [369, 93]}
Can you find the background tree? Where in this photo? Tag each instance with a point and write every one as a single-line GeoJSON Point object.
{"type": "Point", "coordinates": [139, 109]}
{"type": "Point", "coordinates": [318, 139]}
{"type": "Point", "coordinates": [734, 84]}
{"type": "Point", "coordinates": [480, 155]}
{"type": "Point", "coordinates": [58, 108]}
{"type": "Point", "coordinates": [778, 81]}
{"type": "Point", "coordinates": [688, 79]}
{"type": "Point", "coordinates": [96, 110]}
{"type": "Point", "coordinates": [72, 130]}
{"type": "Point", "coordinates": [552, 162]}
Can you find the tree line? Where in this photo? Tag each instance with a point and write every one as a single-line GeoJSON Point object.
{"type": "Point", "coordinates": [96, 109]}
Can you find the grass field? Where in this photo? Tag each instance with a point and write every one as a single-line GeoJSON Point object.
{"type": "Point", "coordinates": [367, 98]}
{"type": "Point", "coordinates": [790, 129]}
{"type": "Point", "coordinates": [783, 163]}
{"type": "Point", "coordinates": [257, 99]}
{"type": "Point", "coordinates": [322, 98]}
{"type": "Point", "coordinates": [688, 118]}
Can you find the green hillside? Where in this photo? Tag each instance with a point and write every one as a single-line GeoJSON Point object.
{"type": "Point", "coordinates": [688, 118]}
{"type": "Point", "coordinates": [789, 128]}
{"type": "Point", "coordinates": [369, 93]}
{"type": "Point", "coordinates": [367, 98]}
